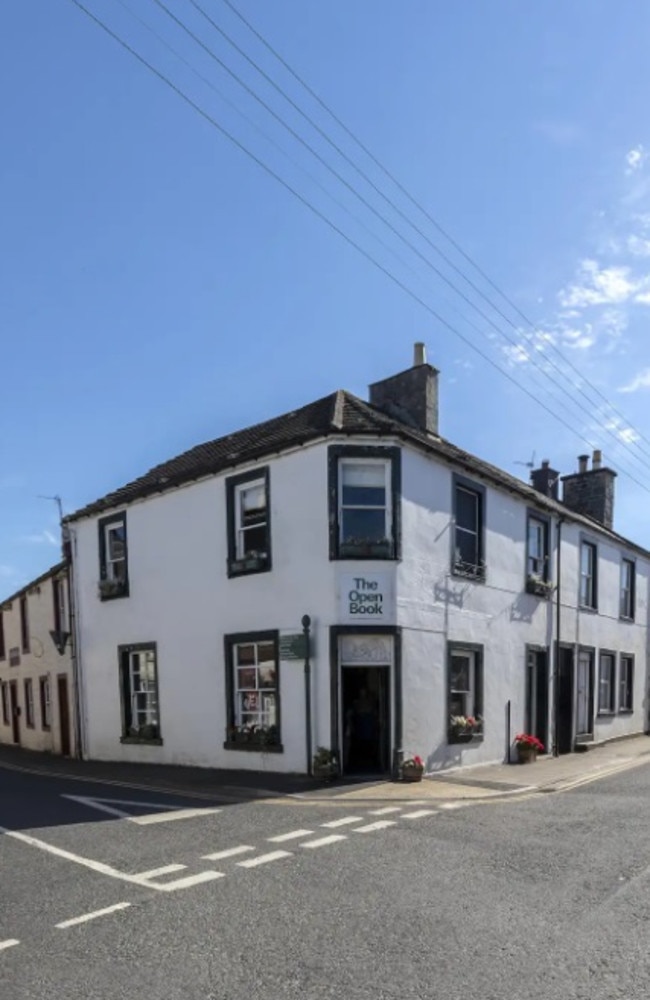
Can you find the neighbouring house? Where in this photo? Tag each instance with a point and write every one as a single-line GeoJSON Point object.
{"type": "Point", "coordinates": [449, 604]}
{"type": "Point", "coordinates": [37, 700]}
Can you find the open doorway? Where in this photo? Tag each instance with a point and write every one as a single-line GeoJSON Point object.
{"type": "Point", "coordinates": [564, 719]}
{"type": "Point", "coordinates": [537, 694]}
{"type": "Point", "coordinates": [366, 719]}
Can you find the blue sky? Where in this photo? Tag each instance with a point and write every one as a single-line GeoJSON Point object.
{"type": "Point", "coordinates": [158, 288]}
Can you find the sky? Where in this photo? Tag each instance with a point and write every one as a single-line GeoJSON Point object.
{"type": "Point", "coordinates": [159, 287]}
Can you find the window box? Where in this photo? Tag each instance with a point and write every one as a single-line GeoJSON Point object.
{"type": "Point", "coordinates": [151, 742]}
{"type": "Point", "coordinates": [252, 562]}
{"type": "Point", "coordinates": [261, 740]}
{"type": "Point", "coordinates": [360, 548]}
{"type": "Point", "coordinates": [462, 736]}
{"type": "Point", "coordinates": [109, 589]}
{"type": "Point", "coordinates": [470, 571]}
{"type": "Point", "coordinates": [538, 587]}
{"type": "Point", "coordinates": [147, 733]}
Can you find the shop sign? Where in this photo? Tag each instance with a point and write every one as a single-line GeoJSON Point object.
{"type": "Point", "coordinates": [367, 598]}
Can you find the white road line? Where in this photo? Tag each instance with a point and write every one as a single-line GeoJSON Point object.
{"type": "Point", "coordinates": [290, 836]}
{"type": "Point", "coordinates": [263, 859]}
{"type": "Point", "coordinates": [10, 943]}
{"type": "Point", "coordinates": [92, 916]}
{"type": "Point", "coordinates": [157, 872]}
{"type": "Point", "coordinates": [324, 841]}
{"type": "Point", "coordinates": [418, 814]}
{"type": "Point", "coordinates": [381, 824]}
{"type": "Point", "coordinates": [344, 821]}
{"type": "Point", "coordinates": [167, 817]}
{"type": "Point", "coordinates": [385, 810]}
{"type": "Point", "coordinates": [185, 883]}
{"type": "Point", "coordinates": [451, 805]}
{"type": "Point", "coordinates": [231, 852]}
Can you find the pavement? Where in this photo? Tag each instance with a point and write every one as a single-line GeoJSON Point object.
{"type": "Point", "coordinates": [492, 781]}
{"type": "Point", "coordinates": [108, 892]}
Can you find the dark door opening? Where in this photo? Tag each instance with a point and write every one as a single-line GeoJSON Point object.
{"type": "Point", "coordinates": [15, 711]}
{"type": "Point", "coordinates": [565, 701]}
{"type": "Point", "coordinates": [64, 715]}
{"type": "Point", "coordinates": [366, 720]}
{"type": "Point", "coordinates": [537, 694]}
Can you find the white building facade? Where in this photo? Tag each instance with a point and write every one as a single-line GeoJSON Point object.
{"type": "Point", "coordinates": [37, 694]}
{"type": "Point", "coordinates": [429, 577]}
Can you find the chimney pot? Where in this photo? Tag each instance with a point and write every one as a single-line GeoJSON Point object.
{"type": "Point", "coordinates": [419, 354]}
{"type": "Point", "coordinates": [545, 463]}
{"type": "Point", "coordinates": [583, 463]}
{"type": "Point", "coordinates": [597, 460]}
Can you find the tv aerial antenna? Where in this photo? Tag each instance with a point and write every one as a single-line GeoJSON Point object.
{"type": "Point", "coordinates": [530, 464]}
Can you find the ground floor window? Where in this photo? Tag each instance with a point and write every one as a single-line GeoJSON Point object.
{"type": "Point", "coordinates": [607, 684]}
{"type": "Point", "coordinates": [464, 692]}
{"type": "Point", "coordinates": [626, 684]}
{"type": "Point", "coordinates": [253, 690]}
{"type": "Point", "coordinates": [5, 703]}
{"type": "Point", "coordinates": [139, 686]}
{"type": "Point", "coordinates": [29, 704]}
{"type": "Point", "coordinates": [46, 707]}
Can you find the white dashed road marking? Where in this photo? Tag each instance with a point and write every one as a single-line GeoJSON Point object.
{"type": "Point", "coordinates": [418, 814]}
{"type": "Point", "coordinates": [92, 916]}
{"type": "Point", "coordinates": [324, 841]}
{"type": "Point", "coordinates": [167, 817]}
{"type": "Point", "coordinates": [344, 821]}
{"type": "Point", "coordinates": [11, 943]}
{"type": "Point", "coordinates": [381, 824]}
{"type": "Point", "coordinates": [263, 859]}
{"type": "Point", "coordinates": [384, 811]}
{"type": "Point", "coordinates": [165, 870]}
{"type": "Point", "coordinates": [231, 852]}
{"type": "Point", "coordinates": [184, 883]}
{"type": "Point", "coordinates": [290, 836]}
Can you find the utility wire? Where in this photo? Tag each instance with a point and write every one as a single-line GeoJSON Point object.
{"type": "Point", "coordinates": [533, 329]}
{"type": "Point", "coordinates": [332, 225]}
{"type": "Point", "coordinates": [513, 341]}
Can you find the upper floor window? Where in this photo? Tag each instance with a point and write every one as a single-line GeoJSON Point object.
{"type": "Point", "coordinates": [24, 624]}
{"type": "Point", "coordinates": [60, 605]}
{"type": "Point", "coordinates": [537, 556]}
{"type": "Point", "coordinates": [249, 523]}
{"type": "Point", "coordinates": [364, 502]}
{"type": "Point", "coordinates": [588, 575]}
{"type": "Point", "coordinates": [469, 525]}
{"type": "Point", "coordinates": [628, 581]}
{"type": "Point", "coordinates": [113, 557]}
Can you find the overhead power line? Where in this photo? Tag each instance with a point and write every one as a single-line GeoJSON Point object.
{"type": "Point", "coordinates": [334, 227]}
{"type": "Point", "coordinates": [530, 324]}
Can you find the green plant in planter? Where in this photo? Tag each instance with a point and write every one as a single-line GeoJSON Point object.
{"type": "Point", "coordinates": [412, 768]}
{"type": "Point", "coordinates": [325, 763]}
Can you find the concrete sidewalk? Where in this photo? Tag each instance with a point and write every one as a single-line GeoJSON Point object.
{"type": "Point", "coordinates": [484, 782]}
{"type": "Point", "coordinates": [495, 781]}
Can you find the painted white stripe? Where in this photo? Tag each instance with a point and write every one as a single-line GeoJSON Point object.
{"type": "Point", "coordinates": [167, 817]}
{"type": "Point", "coordinates": [385, 810]}
{"type": "Point", "coordinates": [450, 805]}
{"type": "Point", "coordinates": [92, 916]}
{"type": "Point", "coordinates": [418, 814]}
{"type": "Point", "coordinates": [381, 824]}
{"type": "Point", "coordinates": [343, 821]}
{"type": "Point", "coordinates": [10, 943]}
{"type": "Point", "coordinates": [185, 883]}
{"type": "Point", "coordinates": [231, 852]}
{"type": "Point", "coordinates": [263, 859]}
{"type": "Point", "coordinates": [324, 841]}
{"type": "Point", "coordinates": [290, 836]}
{"type": "Point", "coordinates": [157, 872]}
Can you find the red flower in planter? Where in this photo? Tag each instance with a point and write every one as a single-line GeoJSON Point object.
{"type": "Point", "coordinates": [526, 740]}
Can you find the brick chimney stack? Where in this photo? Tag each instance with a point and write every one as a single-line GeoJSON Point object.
{"type": "Point", "coordinates": [411, 396]}
{"type": "Point", "coordinates": [546, 480]}
{"type": "Point", "coordinates": [591, 491]}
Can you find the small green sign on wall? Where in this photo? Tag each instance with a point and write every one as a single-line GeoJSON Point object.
{"type": "Point", "coordinates": [292, 647]}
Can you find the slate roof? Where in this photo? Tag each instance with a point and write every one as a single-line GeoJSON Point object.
{"type": "Point", "coordinates": [52, 571]}
{"type": "Point", "coordinates": [340, 413]}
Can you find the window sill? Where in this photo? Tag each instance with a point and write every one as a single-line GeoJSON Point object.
{"type": "Point", "coordinates": [587, 609]}
{"type": "Point", "coordinates": [157, 742]}
{"type": "Point", "coordinates": [539, 588]}
{"type": "Point", "coordinates": [467, 738]}
{"type": "Point", "coordinates": [254, 747]}
{"type": "Point", "coordinates": [476, 574]}
{"type": "Point", "coordinates": [626, 711]}
{"type": "Point", "coordinates": [607, 713]}
{"type": "Point", "coordinates": [246, 567]}
{"type": "Point", "coordinates": [116, 595]}
{"type": "Point", "coordinates": [626, 618]}
{"type": "Point", "coordinates": [370, 550]}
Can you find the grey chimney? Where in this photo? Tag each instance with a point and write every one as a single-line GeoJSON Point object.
{"type": "Point", "coordinates": [591, 491]}
{"type": "Point", "coordinates": [545, 480]}
{"type": "Point", "coordinates": [411, 396]}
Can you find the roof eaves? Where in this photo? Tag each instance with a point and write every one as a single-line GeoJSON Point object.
{"type": "Point", "coordinates": [52, 571]}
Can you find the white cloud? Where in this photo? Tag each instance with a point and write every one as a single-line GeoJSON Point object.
{"type": "Point", "coordinates": [596, 286]}
{"type": "Point", "coordinates": [635, 159]}
{"type": "Point", "coordinates": [640, 381]}
{"type": "Point", "coordinates": [42, 537]}
{"type": "Point", "coordinates": [516, 354]}
{"type": "Point", "coordinates": [625, 434]}
{"type": "Point", "coordinates": [638, 246]}
{"type": "Point", "coordinates": [643, 298]}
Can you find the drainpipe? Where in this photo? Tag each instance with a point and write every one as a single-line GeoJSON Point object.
{"type": "Point", "coordinates": [556, 658]}
{"type": "Point", "coordinates": [70, 543]}
{"type": "Point", "coordinates": [306, 623]}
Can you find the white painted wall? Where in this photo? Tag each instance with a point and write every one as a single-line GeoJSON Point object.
{"type": "Point", "coordinates": [43, 660]}
{"type": "Point", "coordinates": [181, 598]}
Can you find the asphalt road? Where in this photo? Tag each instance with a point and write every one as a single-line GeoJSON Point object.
{"type": "Point", "coordinates": [544, 897]}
